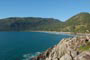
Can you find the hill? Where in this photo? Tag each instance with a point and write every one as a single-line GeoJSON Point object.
{"type": "Point", "coordinates": [29, 24]}
{"type": "Point", "coordinates": [78, 23]}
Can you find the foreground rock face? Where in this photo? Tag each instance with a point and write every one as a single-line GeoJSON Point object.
{"type": "Point", "coordinates": [83, 56]}
{"type": "Point", "coordinates": [67, 49]}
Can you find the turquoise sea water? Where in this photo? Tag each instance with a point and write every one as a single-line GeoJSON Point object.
{"type": "Point", "coordinates": [20, 45]}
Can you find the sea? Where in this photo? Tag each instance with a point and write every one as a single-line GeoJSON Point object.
{"type": "Point", "coordinates": [25, 45]}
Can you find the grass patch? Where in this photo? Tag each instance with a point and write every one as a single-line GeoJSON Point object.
{"type": "Point", "coordinates": [85, 48]}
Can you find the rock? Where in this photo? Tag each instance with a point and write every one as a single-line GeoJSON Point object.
{"type": "Point", "coordinates": [83, 56]}
{"type": "Point", "coordinates": [68, 49]}
{"type": "Point", "coordinates": [66, 57]}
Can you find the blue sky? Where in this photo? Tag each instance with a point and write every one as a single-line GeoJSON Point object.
{"type": "Point", "coordinates": [59, 9]}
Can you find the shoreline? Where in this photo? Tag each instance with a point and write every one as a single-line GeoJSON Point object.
{"type": "Point", "coordinates": [65, 46]}
{"type": "Point", "coordinates": [55, 32]}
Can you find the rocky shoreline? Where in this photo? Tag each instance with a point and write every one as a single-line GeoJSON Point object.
{"type": "Point", "coordinates": [68, 49]}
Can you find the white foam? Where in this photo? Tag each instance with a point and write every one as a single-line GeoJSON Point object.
{"type": "Point", "coordinates": [29, 56]}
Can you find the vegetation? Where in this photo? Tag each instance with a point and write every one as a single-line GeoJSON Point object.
{"type": "Point", "coordinates": [85, 48]}
{"type": "Point", "coordinates": [30, 24]}
{"type": "Point", "coordinates": [77, 23]}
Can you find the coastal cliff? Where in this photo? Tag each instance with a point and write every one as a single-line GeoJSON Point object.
{"type": "Point", "coordinates": [76, 48]}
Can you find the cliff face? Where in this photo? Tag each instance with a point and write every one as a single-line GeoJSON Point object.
{"type": "Point", "coordinates": [69, 49]}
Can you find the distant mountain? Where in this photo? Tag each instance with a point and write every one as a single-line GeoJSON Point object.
{"type": "Point", "coordinates": [78, 23]}
{"type": "Point", "coordinates": [30, 24]}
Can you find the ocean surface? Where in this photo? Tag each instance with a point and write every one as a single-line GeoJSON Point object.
{"type": "Point", "coordinates": [24, 45]}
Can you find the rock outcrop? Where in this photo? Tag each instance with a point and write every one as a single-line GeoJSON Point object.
{"type": "Point", "coordinates": [68, 49]}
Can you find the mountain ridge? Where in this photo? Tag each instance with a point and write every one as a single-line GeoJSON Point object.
{"type": "Point", "coordinates": [78, 23]}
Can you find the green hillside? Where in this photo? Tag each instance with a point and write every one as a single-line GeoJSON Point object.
{"type": "Point", "coordinates": [29, 24]}
{"type": "Point", "coordinates": [78, 23]}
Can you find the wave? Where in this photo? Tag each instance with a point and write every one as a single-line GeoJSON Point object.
{"type": "Point", "coordinates": [29, 56]}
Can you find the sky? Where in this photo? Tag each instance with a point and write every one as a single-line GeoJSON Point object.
{"type": "Point", "coordinates": [58, 9]}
